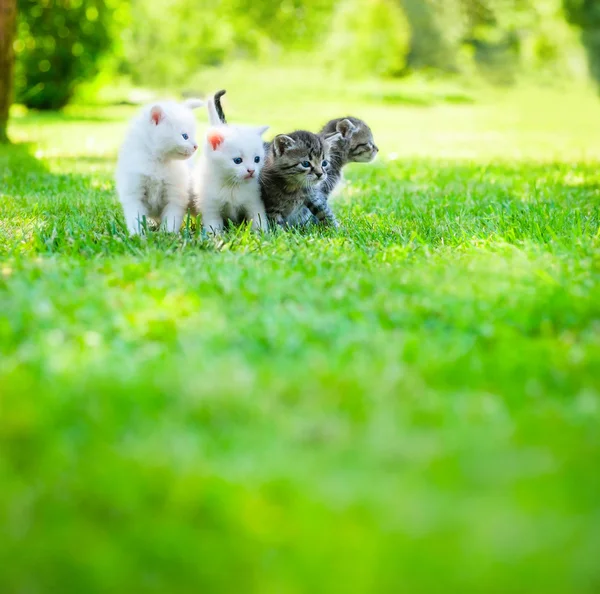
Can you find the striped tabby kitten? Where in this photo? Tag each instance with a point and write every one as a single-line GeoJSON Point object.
{"type": "Point", "coordinates": [354, 145]}
{"type": "Point", "coordinates": [294, 166]}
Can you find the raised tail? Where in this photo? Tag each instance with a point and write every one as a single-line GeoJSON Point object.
{"type": "Point", "coordinates": [218, 108]}
{"type": "Point", "coordinates": [216, 116]}
{"type": "Point", "coordinates": [213, 116]}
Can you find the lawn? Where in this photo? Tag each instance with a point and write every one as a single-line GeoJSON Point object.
{"type": "Point", "coordinates": [408, 404]}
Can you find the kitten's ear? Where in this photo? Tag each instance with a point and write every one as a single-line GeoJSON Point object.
{"type": "Point", "coordinates": [157, 114]}
{"type": "Point", "coordinates": [193, 103]}
{"type": "Point", "coordinates": [262, 129]}
{"type": "Point", "coordinates": [282, 143]}
{"type": "Point", "coordinates": [215, 138]}
{"type": "Point", "coordinates": [346, 128]}
{"type": "Point", "coordinates": [331, 140]}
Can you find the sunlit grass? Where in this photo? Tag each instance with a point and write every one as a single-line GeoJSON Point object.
{"type": "Point", "coordinates": [409, 404]}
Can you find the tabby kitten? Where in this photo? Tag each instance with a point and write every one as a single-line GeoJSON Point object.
{"type": "Point", "coordinates": [295, 166]}
{"type": "Point", "coordinates": [354, 144]}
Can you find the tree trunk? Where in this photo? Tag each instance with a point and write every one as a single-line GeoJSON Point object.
{"type": "Point", "coordinates": [8, 21]}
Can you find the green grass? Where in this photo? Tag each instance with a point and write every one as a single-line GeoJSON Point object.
{"type": "Point", "coordinates": [410, 404]}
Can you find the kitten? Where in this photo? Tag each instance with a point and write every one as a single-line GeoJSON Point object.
{"type": "Point", "coordinates": [295, 165]}
{"type": "Point", "coordinates": [354, 144]}
{"type": "Point", "coordinates": [152, 179]}
{"type": "Point", "coordinates": [227, 185]}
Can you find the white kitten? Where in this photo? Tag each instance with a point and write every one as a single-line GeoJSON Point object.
{"type": "Point", "coordinates": [227, 177]}
{"type": "Point", "coordinates": [152, 179]}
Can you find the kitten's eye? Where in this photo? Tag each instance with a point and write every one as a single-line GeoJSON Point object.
{"type": "Point", "coordinates": [237, 160]}
{"type": "Point", "coordinates": [305, 164]}
{"type": "Point", "coordinates": [185, 136]}
{"type": "Point", "coordinates": [257, 159]}
{"type": "Point", "coordinates": [324, 163]}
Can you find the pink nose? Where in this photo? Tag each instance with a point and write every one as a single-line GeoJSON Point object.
{"type": "Point", "coordinates": [195, 147]}
{"type": "Point", "coordinates": [250, 171]}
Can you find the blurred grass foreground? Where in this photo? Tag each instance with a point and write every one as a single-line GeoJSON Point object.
{"type": "Point", "coordinates": [408, 404]}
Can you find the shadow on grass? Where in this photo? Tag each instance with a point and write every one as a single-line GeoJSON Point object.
{"type": "Point", "coordinates": [420, 100]}
{"type": "Point", "coordinates": [103, 160]}
{"type": "Point", "coordinates": [39, 206]}
{"type": "Point", "coordinates": [56, 117]}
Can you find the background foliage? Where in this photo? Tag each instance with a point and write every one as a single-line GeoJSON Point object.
{"type": "Point", "coordinates": [586, 15]}
{"type": "Point", "coordinates": [160, 44]}
{"type": "Point", "coordinates": [59, 44]}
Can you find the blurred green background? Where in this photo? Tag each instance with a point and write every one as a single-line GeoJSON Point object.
{"type": "Point", "coordinates": [411, 404]}
{"type": "Point", "coordinates": [62, 43]}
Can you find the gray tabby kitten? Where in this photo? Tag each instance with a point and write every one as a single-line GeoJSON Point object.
{"type": "Point", "coordinates": [354, 144]}
{"type": "Point", "coordinates": [295, 165]}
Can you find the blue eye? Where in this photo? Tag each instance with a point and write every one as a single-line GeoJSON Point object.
{"type": "Point", "coordinates": [305, 164]}
{"type": "Point", "coordinates": [185, 136]}
{"type": "Point", "coordinates": [237, 160]}
{"type": "Point", "coordinates": [257, 159]}
{"type": "Point", "coordinates": [324, 163]}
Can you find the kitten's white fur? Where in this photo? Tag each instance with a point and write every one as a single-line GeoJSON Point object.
{"type": "Point", "coordinates": [213, 116]}
{"type": "Point", "coordinates": [152, 178]}
{"type": "Point", "coordinates": [224, 189]}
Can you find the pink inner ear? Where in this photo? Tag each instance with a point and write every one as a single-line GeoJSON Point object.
{"type": "Point", "coordinates": [156, 115]}
{"type": "Point", "coordinates": [215, 138]}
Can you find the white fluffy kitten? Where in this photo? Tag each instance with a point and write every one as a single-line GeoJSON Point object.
{"type": "Point", "coordinates": [152, 179]}
{"type": "Point", "coordinates": [227, 175]}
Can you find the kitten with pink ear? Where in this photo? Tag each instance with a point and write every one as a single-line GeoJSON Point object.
{"type": "Point", "coordinates": [153, 181]}
{"type": "Point", "coordinates": [226, 180]}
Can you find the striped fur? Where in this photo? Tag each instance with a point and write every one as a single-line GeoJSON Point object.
{"type": "Point", "coordinates": [287, 185]}
{"type": "Point", "coordinates": [354, 143]}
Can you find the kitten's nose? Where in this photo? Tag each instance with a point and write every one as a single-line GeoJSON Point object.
{"type": "Point", "coordinates": [195, 147]}
{"type": "Point", "coordinates": [250, 171]}
{"type": "Point", "coordinates": [319, 174]}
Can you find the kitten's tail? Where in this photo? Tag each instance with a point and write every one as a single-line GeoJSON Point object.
{"type": "Point", "coordinates": [216, 115]}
